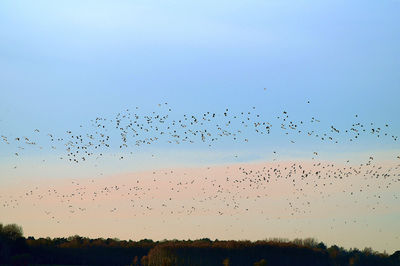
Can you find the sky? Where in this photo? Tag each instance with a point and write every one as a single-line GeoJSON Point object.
{"type": "Point", "coordinates": [65, 63]}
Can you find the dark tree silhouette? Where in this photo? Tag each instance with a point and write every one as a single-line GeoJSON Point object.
{"type": "Point", "coordinates": [78, 250]}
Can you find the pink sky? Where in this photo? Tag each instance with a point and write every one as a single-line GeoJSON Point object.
{"type": "Point", "coordinates": [217, 202]}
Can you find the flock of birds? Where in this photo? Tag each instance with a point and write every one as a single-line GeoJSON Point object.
{"type": "Point", "coordinates": [130, 129]}
{"type": "Point", "coordinates": [242, 188]}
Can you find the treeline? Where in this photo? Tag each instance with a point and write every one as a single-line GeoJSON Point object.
{"type": "Point", "coordinates": [76, 250]}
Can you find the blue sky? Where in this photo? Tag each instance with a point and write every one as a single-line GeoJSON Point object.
{"type": "Point", "coordinates": [63, 64]}
{"type": "Point", "coordinates": [80, 58]}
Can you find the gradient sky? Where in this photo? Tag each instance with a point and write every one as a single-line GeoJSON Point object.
{"type": "Point", "coordinates": [64, 63]}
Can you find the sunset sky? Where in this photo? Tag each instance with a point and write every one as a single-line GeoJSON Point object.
{"type": "Point", "coordinates": [326, 64]}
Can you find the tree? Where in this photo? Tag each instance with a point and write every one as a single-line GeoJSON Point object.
{"type": "Point", "coordinates": [395, 257]}
{"type": "Point", "coordinates": [261, 263]}
{"type": "Point", "coordinates": [136, 261]}
{"type": "Point", "coordinates": [310, 242]}
{"type": "Point", "coordinates": [145, 261]}
{"type": "Point", "coordinates": [11, 231]}
{"type": "Point", "coordinates": [225, 262]}
{"type": "Point", "coordinates": [321, 245]}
